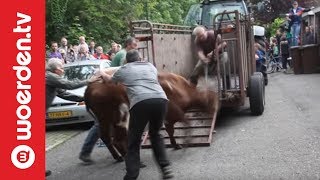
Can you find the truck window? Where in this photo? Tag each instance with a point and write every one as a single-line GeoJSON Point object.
{"type": "Point", "coordinates": [193, 17]}
{"type": "Point", "coordinates": [207, 12]}
{"type": "Point", "coordinates": [211, 10]}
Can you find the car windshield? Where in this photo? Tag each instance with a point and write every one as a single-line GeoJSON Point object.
{"type": "Point", "coordinates": [209, 11]}
{"type": "Point", "coordinates": [193, 17]}
{"type": "Point", "coordinates": [81, 72]}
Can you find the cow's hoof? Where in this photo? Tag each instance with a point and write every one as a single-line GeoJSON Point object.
{"type": "Point", "coordinates": [142, 165]}
{"type": "Point", "coordinates": [177, 147]}
{"type": "Point", "coordinates": [119, 159]}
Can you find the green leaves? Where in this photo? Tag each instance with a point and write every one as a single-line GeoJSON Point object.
{"type": "Point", "coordinates": [105, 21]}
{"type": "Point", "coordinates": [275, 25]}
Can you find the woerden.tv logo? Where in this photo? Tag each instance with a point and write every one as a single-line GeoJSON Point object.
{"type": "Point", "coordinates": [22, 68]}
{"type": "Point", "coordinates": [22, 156]}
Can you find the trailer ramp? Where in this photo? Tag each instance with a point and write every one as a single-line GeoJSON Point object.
{"type": "Point", "coordinates": [198, 132]}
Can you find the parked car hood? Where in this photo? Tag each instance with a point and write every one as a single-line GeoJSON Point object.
{"type": "Point", "coordinates": [79, 92]}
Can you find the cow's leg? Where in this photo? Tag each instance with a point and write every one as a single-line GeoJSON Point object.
{"type": "Point", "coordinates": [214, 107]}
{"type": "Point", "coordinates": [120, 140]}
{"type": "Point", "coordinates": [106, 131]}
{"type": "Point", "coordinates": [112, 149]}
{"type": "Point", "coordinates": [170, 131]}
{"type": "Point", "coordinates": [174, 115]}
{"type": "Point", "coordinates": [121, 129]}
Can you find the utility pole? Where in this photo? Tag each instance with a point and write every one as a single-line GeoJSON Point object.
{"type": "Point", "coordinates": [146, 9]}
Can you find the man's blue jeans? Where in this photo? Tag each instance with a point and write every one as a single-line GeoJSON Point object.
{"type": "Point", "coordinates": [90, 140]}
{"type": "Point", "coordinates": [295, 31]}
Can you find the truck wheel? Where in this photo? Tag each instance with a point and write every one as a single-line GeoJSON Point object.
{"type": "Point", "coordinates": [257, 93]}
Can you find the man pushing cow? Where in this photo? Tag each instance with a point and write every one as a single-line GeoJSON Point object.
{"type": "Point", "coordinates": [208, 44]}
{"type": "Point", "coordinates": [148, 104]}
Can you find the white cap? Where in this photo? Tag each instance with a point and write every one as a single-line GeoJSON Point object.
{"type": "Point", "coordinates": [258, 31]}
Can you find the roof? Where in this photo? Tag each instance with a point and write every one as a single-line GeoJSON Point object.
{"type": "Point", "coordinates": [312, 12]}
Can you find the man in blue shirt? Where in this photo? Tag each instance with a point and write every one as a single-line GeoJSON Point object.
{"type": "Point", "coordinates": [295, 21]}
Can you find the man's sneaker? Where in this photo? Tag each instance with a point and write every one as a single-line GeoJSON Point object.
{"type": "Point", "coordinates": [100, 143]}
{"type": "Point", "coordinates": [142, 165]}
{"type": "Point", "coordinates": [167, 172]}
{"type": "Point", "coordinates": [48, 173]}
{"type": "Point", "coordinates": [85, 159]}
{"type": "Point", "coordinates": [289, 71]}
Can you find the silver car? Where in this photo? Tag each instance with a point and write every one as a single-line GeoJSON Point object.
{"type": "Point", "coordinates": [63, 112]}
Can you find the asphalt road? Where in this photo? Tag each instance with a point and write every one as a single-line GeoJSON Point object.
{"type": "Point", "coordinates": [283, 143]}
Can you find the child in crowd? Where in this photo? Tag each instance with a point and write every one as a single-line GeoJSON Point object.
{"type": "Point", "coordinates": [259, 56]}
{"type": "Point", "coordinates": [284, 50]}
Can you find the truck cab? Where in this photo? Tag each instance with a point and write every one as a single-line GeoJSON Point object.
{"type": "Point", "coordinates": [204, 12]}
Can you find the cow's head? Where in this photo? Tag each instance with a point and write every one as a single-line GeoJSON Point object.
{"type": "Point", "coordinates": [210, 101]}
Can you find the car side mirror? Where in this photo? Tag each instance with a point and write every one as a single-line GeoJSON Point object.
{"type": "Point", "coordinates": [250, 9]}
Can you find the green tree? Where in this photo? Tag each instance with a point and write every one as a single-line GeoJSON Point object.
{"type": "Point", "coordinates": [274, 26]}
{"type": "Point", "coordinates": [74, 31]}
{"type": "Point", "coordinates": [55, 18]}
{"type": "Point", "coordinates": [105, 21]}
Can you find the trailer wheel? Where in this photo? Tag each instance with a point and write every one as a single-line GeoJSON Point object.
{"type": "Point", "coordinates": [265, 75]}
{"type": "Point", "coordinates": [257, 93]}
{"type": "Point", "coordinates": [266, 80]}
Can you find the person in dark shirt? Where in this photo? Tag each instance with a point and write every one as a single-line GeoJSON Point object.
{"type": "Point", "coordinates": [205, 48]}
{"type": "Point", "coordinates": [92, 49]}
{"type": "Point", "coordinates": [259, 56]}
{"type": "Point", "coordinates": [278, 37]}
{"type": "Point", "coordinates": [308, 37]}
{"type": "Point", "coordinates": [113, 51]}
{"type": "Point", "coordinates": [284, 50]}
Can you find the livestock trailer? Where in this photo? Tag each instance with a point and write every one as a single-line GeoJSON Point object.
{"type": "Point", "coordinates": [171, 49]}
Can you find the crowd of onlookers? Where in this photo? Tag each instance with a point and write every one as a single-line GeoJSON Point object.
{"type": "Point", "coordinates": [70, 53]}
{"type": "Point", "coordinates": [288, 35]}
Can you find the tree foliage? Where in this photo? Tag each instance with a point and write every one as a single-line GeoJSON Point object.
{"type": "Point", "coordinates": [272, 9]}
{"type": "Point", "coordinates": [105, 21]}
{"type": "Point", "coordinates": [275, 25]}
{"type": "Point", "coordinates": [271, 13]}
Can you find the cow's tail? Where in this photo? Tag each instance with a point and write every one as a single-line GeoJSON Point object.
{"type": "Point", "coordinates": [91, 112]}
{"type": "Point", "coordinates": [87, 103]}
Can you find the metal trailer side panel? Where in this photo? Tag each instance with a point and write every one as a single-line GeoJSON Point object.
{"type": "Point", "coordinates": [173, 53]}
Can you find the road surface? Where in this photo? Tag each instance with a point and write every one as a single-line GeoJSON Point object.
{"type": "Point", "coordinates": [283, 143]}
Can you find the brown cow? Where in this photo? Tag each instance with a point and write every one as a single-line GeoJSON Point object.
{"type": "Point", "coordinates": [109, 103]}
{"type": "Point", "coordinates": [183, 96]}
